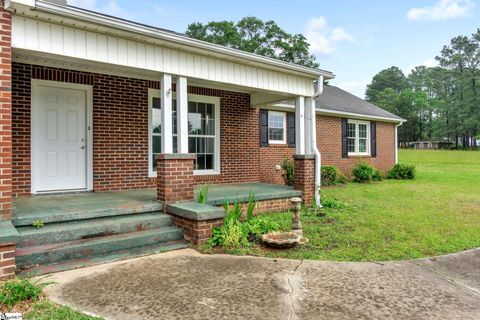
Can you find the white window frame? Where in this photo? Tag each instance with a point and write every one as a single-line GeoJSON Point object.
{"type": "Point", "coordinates": [153, 93]}
{"type": "Point", "coordinates": [357, 138]}
{"type": "Point", "coordinates": [284, 116]}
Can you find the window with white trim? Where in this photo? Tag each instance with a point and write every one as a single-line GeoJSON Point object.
{"type": "Point", "coordinates": [277, 123]}
{"type": "Point", "coordinates": [203, 131]}
{"type": "Point", "coordinates": [358, 137]}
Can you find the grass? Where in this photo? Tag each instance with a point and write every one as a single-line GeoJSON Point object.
{"type": "Point", "coordinates": [25, 296]}
{"type": "Point", "coordinates": [435, 214]}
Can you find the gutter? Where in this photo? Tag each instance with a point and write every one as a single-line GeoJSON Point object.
{"type": "Point", "coordinates": [313, 139]}
{"type": "Point", "coordinates": [152, 32]}
{"type": "Point", "coordinates": [396, 141]}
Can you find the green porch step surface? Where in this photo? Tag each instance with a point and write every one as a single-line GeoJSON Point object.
{"type": "Point", "coordinates": [92, 228]}
{"type": "Point", "coordinates": [55, 252]}
{"type": "Point", "coordinates": [95, 260]}
{"type": "Point", "coordinates": [79, 206]}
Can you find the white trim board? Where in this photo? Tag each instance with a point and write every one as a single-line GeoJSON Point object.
{"type": "Point", "coordinates": [89, 130]}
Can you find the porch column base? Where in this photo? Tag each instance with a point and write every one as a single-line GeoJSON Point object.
{"type": "Point", "coordinates": [175, 182]}
{"type": "Point", "coordinates": [8, 243]}
{"type": "Point", "coordinates": [305, 177]}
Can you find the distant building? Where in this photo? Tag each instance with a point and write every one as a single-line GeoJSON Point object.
{"type": "Point", "coordinates": [432, 144]}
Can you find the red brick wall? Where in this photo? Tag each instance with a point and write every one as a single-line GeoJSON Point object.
{"type": "Point", "coordinates": [329, 141]}
{"type": "Point", "coordinates": [120, 116]}
{"type": "Point", "coordinates": [7, 261]}
{"type": "Point", "coordinates": [5, 113]}
{"type": "Point", "coordinates": [175, 178]}
{"type": "Point", "coordinates": [272, 156]}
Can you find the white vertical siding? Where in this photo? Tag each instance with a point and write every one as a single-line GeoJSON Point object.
{"type": "Point", "coordinates": [68, 41]}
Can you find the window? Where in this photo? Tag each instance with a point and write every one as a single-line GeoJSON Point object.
{"type": "Point", "coordinates": [203, 131]}
{"type": "Point", "coordinates": [276, 127]}
{"type": "Point", "coordinates": [358, 137]}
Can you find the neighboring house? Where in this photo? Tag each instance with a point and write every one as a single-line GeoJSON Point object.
{"type": "Point", "coordinates": [432, 144]}
{"type": "Point", "coordinates": [91, 102]}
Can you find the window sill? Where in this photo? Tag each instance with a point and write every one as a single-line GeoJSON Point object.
{"type": "Point", "coordinates": [195, 173]}
{"type": "Point", "coordinates": [359, 155]}
{"type": "Point", "coordinates": [274, 142]}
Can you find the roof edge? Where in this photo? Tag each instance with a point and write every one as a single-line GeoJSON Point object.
{"type": "Point", "coordinates": [150, 31]}
{"type": "Point", "coordinates": [359, 115]}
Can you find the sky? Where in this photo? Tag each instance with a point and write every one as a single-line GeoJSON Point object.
{"type": "Point", "coordinates": [353, 39]}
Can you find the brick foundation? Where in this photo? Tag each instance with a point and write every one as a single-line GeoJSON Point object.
{"type": "Point", "coordinates": [175, 180]}
{"type": "Point", "coordinates": [268, 206]}
{"type": "Point", "coordinates": [197, 232]}
{"type": "Point", "coordinates": [305, 177]}
{"type": "Point", "coordinates": [7, 261]}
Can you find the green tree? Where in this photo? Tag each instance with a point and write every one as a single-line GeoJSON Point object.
{"type": "Point", "coordinates": [392, 78]}
{"type": "Point", "coordinates": [254, 35]}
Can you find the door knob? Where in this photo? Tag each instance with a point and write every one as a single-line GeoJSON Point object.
{"type": "Point", "coordinates": [83, 147]}
{"type": "Point", "coordinates": [83, 140]}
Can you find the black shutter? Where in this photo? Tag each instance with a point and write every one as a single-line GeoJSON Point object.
{"type": "Point", "coordinates": [344, 138]}
{"type": "Point", "coordinates": [263, 128]}
{"type": "Point", "coordinates": [291, 129]}
{"type": "Point", "coordinates": [373, 139]}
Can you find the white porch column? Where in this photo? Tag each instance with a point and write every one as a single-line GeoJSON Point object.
{"type": "Point", "coordinates": [166, 112]}
{"type": "Point", "coordinates": [182, 115]}
{"type": "Point", "coordinates": [300, 125]}
{"type": "Point", "coordinates": [308, 125]}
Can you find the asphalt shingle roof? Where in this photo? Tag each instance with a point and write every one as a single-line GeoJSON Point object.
{"type": "Point", "coordinates": [336, 99]}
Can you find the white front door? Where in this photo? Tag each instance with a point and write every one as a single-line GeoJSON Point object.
{"type": "Point", "coordinates": [59, 121]}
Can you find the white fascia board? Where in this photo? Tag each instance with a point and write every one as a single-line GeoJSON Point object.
{"type": "Point", "coordinates": [119, 24]}
{"type": "Point", "coordinates": [358, 116]}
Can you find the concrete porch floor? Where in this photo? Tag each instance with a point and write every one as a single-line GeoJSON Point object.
{"type": "Point", "coordinates": [58, 207]}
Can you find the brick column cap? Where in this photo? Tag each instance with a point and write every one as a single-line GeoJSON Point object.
{"type": "Point", "coordinates": [176, 156]}
{"type": "Point", "coordinates": [303, 156]}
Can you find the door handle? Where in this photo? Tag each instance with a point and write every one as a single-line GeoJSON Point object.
{"type": "Point", "coordinates": [83, 147]}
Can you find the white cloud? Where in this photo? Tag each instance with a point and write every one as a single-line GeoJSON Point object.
{"type": "Point", "coordinates": [322, 38]}
{"type": "Point", "coordinates": [429, 63]}
{"type": "Point", "coordinates": [442, 10]}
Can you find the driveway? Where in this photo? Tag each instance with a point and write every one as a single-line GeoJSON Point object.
{"type": "Point", "coordinates": [187, 285]}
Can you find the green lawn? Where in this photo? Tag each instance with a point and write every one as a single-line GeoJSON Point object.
{"type": "Point", "coordinates": [435, 214]}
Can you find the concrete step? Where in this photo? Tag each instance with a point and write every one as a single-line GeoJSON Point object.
{"type": "Point", "coordinates": [54, 252]}
{"type": "Point", "coordinates": [95, 260]}
{"type": "Point", "coordinates": [91, 228]}
{"type": "Point", "coordinates": [52, 209]}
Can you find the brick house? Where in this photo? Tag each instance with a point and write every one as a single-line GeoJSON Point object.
{"type": "Point", "coordinates": [91, 102]}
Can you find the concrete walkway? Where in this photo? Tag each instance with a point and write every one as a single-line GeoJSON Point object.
{"type": "Point", "coordinates": [187, 285]}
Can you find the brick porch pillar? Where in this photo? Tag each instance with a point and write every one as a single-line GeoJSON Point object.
{"type": "Point", "coordinates": [305, 177]}
{"type": "Point", "coordinates": [175, 181]}
{"type": "Point", "coordinates": [8, 234]}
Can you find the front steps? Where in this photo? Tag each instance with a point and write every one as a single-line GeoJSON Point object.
{"type": "Point", "coordinates": [103, 237]}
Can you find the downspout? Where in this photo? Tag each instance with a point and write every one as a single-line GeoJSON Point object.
{"type": "Point", "coordinates": [396, 141]}
{"type": "Point", "coordinates": [313, 139]}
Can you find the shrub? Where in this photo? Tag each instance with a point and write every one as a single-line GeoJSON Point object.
{"type": "Point", "coordinates": [402, 171]}
{"type": "Point", "coordinates": [15, 291]}
{"type": "Point", "coordinates": [331, 176]}
{"type": "Point", "coordinates": [202, 194]}
{"type": "Point", "coordinates": [288, 168]}
{"type": "Point", "coordinates": [377, 175]}
{"type": "Point", "coordinates": [333, 204]}
{"type": "Point", "coordinates": [260, 225]}
{"type": "Point", "coordinates": [363, 172]}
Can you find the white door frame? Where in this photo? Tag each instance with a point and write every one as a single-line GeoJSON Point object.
{"type": "Point", "coordinates": [89, 128]}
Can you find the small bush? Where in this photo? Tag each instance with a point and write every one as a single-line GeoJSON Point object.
{"type": "Point", "coordinates": [202, 194]}
{"type": "Point", "coordinates": [402, 172]}
{"type": "Point", "coordinates": [363, 172]}
{"type": "Point", "coordinates": [377, 175]}
{"type": "Point", "coordinates": [288, 171]}
{"type": "Point", "coordinates": [15, 291]}
{"type": "Point", "coordinates": [331, 176]}
{"type": "Point", "coordinates": [260, 225]}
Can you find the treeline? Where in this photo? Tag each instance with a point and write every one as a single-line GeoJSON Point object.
{"type": "Point", "coordinates": [439, 103]}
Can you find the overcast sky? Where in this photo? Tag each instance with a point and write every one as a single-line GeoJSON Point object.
{"type": "Point", "coordinates": [354, 39]}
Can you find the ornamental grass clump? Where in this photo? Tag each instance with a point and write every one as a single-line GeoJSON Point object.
{"type": "Point", "coordinates": [18, 290]}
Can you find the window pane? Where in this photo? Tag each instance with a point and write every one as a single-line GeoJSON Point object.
{"type": "Point", "coordinates": [275, 134]}
{"type": "Point", "coordinates": [210, 111]}
{"type": "Point", "coordinates": [275, 121]}
{"type": "Point", "coordinates": [362, 130]}
{"type": "Point", "coordinates": [210, 127]}
{"type": "Point", "coordinates": [209, 162]}
{"type": "Point", "coordinates": [210, 145]}
{"type": "Point", "coordinates": [351, 130]}
{"type": "Point", "coordinates": [194, 123]}
{"type": "Point", "coordinates": [156, 103]}
{"type": "Point", "coordinates": [191, 145]}
{"type": "Point", "coordinates": [362, 147]}
{"type": "Point", "coordinates": [156, 121]}
{"type": "Point", "coordinates": [200, 162]}
{"type": "Point", "coordinates": [351, 145]}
